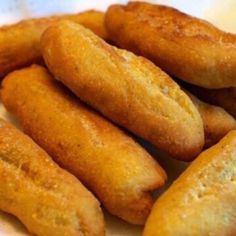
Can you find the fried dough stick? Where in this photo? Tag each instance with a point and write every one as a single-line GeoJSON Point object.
{"type": "Point", "coordinates": [216, 121]}
{"type": "Point", "coordinates": [47, 200]}
{"type": "Point", "coordinates": [225, 98]}
{"type": "Point", "coordinates": [19, 43]}
{"type": "Point", "coordinates": [183, 46]}
{"type": "Point", "coordinates": [128, 89]}
{"type": "Point", "coordinates": [111, 164]}
{"type": "Point", "coordinates": [202, 200]}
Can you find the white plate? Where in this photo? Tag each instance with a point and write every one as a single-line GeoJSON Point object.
{"type": "Point", "coordinates": [221, 13]}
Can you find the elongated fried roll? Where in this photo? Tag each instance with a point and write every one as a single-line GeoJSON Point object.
{"type": "Point", "coordinates": [202, 200]}
{"type": "Point", "coordinates": [129, 90]}
{"type": "Point", "coordinates": [19, 43]}
{"type": "Point", "coordinates": [48, 200]}
{"type": "Point", "coordinates": [225, 98]}
{"type": "Point", "coordinates": [104, 158]}
{"type": "Point", "coordinates": [187, 47]}
{"type": "Point", "coordinates": [216, 121]}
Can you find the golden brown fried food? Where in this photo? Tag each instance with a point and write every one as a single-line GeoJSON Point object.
{"type": "Point", "coordinates": [184, 46]}
{"type": "Point", "coordinates": [93, 20]}
{"type": "Point", "coordinates": [104, 158]}
{"type": "Point", "coordinates": [19, 43]}
{"type": "Point", "coordinates": [202, 200]}
{"type": "Point", "coordinates": [48, 200]}
{"type": "Point", "coordinates": [216, 121]}
{"type": "Point", "coordinates": [225, 98]}
{"type": "Point", "coordinates": [129, 90]}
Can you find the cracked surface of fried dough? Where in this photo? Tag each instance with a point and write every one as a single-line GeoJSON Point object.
{"type": "Point", "coordinates": [183, 46]}
{"type": "Point", "coordinates": [202, 200]}
{"type": "Point", "coordinates": [216, 121]}
{"type": "Point", "coordinates": [111, 164]}
{"type": "Point", "coordinates": [19, 43]}
{"type": "Point", "coordinates": [129, 90]}
{"type": "Point", "coordinates": [48, 200]}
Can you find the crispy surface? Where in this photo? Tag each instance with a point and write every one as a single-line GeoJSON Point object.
{"type": "Point", "coordinates": [225, 98]}
{"type": "Point", "coordinates": [105, 159]}
{"type": "Point", "coordinates": [202, 200]}
{"type": "Point", "coordinates": [19, 43]}
{"type": "Point", "coordinates": [216, 121]}
{"type": "Point", "coordinates": [48, 200]}
{"type": "Point", "coordinates": [128, 89]}
{"type": "Point", "coordinates": [184, 46]}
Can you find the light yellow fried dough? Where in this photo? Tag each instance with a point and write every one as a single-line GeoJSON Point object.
{"type": "Point", "coordinates": [202, 200]}
{"type": "Point", "coordinates": [216, 121]}
{"type": "Point", "coordinates": [184, 46]}
{"type": "Point", "coordinates": [19, 43]}
{"type": "Point", "coordinates": [105, 159]}
{"type": "Point", "coordinates": [225, 98]}
{"type": "Point", "coordinates": [129, 90]}
{"type": "Point", "coordinates": [48, 200]}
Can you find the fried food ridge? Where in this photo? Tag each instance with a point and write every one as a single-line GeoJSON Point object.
{"type": "Point", "coordinates": [47, 199]}
{"type": "Point", "coordinates": [202, 200]}
{"type": "Point", "coordinates": [127, 89]}
{"type": "Point", "coordinates": [186, 47]}
{"type": "Point", "coordinates": [216, 121]}
{"type": "Point", "coordinates": [111, 164]}
{"type": "Point", "coordinates": [19, 43]}
{"type": "Point", "coordinates": [225, 98]}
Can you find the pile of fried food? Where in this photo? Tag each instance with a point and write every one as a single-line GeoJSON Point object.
{"type": "Point", "coordinates": [78, 104]}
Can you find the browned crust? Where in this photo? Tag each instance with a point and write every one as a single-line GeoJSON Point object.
{"type": "Point", "coordinates": [202, 200]}
{"type": "Point", "coordinates": [111, 164]}
{"type": "Point", "coordinates": [184, 46]}
{"type": "Point", "coordinates": [47, 199]}
{"type": "Point", "coordinates": [129, 90]}
{"type": "Point", "coordinates": [19, 43]}
{"type": "Point", "coordinates": [225, 98]}
{"type": "Point", "coordinates": [216, 121]}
